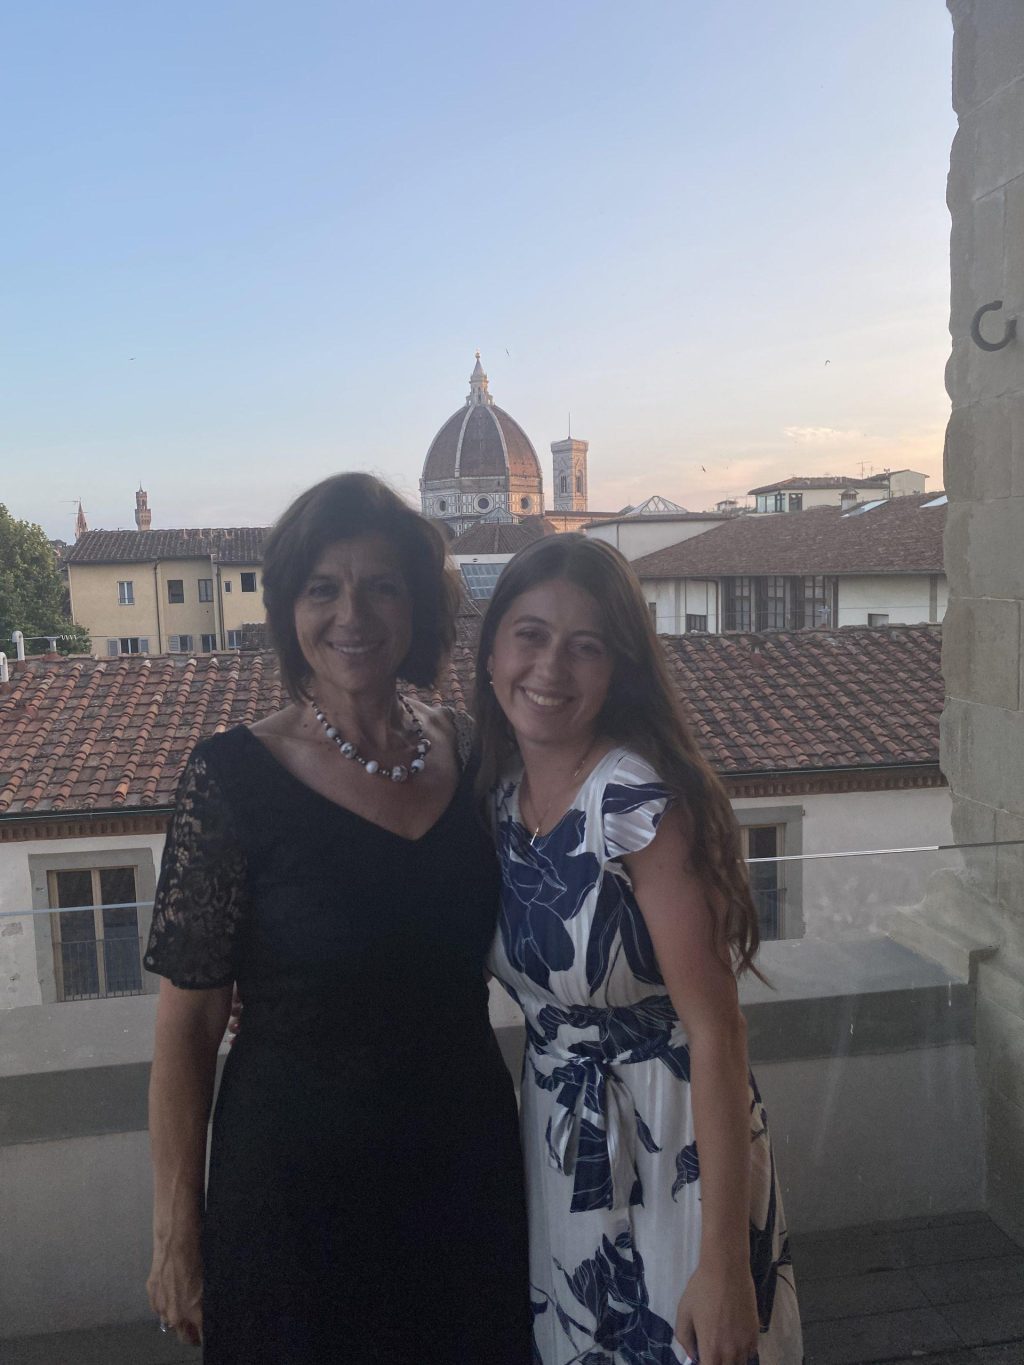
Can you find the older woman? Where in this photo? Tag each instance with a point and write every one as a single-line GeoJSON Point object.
{"type": "Point", "coordinates": [656, 1226]}
{"type": "Point", "coordinates": [364, 1200]}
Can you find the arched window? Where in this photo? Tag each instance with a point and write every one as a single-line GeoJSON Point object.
{"type": "Point", "coordinates": [565, 483]}
{"type": "Point", "coordinates": [579, 483]}
{"type": "Point", "coordinates": [524, 503]}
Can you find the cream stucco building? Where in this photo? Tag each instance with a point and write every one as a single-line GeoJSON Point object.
{"type": "Point", "coordinates": [167, 591]}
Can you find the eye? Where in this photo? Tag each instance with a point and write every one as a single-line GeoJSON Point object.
{"type": "Point", "coordinates": [386, 587]}
{"type": "Point", "coordinates": [589, 649]}
{"type": "Point", "coordinates": [320, 590]}
{"type": "Point", "coordinates": [530, 634]}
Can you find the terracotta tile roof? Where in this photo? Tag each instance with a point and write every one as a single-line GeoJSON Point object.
{"type": "Point", "coordinates": [500, 537]}
{"type": "Point", "coordinates": [79, 735]}
{"type": "Point", "coordinates": [806, 699]}
{"type": "Point", "coordinates": [900, 535]}
{"type": "Point", "coordinates": [230, 544]}
{"type": "Point", "coordinates": [824, 481]}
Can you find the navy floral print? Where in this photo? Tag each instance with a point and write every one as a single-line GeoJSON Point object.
{"type": "Point", "coordinates": [613, 1170]}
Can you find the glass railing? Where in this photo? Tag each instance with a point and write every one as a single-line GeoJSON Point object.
{"type": "Point", "coordinates": [834, 894]}
{"type": "Point", "coordinates": [862, 1039]}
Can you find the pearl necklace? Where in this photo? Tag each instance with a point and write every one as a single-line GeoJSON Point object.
{"type": "Point", "coordinates": [348, 750]}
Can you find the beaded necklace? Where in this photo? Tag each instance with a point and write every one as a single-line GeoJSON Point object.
{"type": "Point", "coordinates": [398, 773]}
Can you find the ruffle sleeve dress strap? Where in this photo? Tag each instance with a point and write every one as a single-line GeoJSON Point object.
{"type": "Point", "coordinates": [632, 805]}
{"type": "Point", "coordinates": [200, 897]}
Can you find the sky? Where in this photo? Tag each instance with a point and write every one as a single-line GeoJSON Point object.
{"type": "Point", "coordinates": [247, 245]}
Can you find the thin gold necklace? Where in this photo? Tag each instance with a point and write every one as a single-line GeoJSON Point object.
{"type": "Point", "coordinates": [542, 816]}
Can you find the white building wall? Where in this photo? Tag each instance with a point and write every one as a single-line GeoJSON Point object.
{"type": "Point", "coordinates": [677, 598]}
{"type": "Point", "coordinates": [907, 598]}
{"type": "Point", "coordinates": [22, 970]}
{"type": "Point", "coordinates": [856, 895]}
{"type": "Point", "coordinates": [645, 535]}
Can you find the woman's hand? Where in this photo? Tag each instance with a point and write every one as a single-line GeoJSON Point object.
{"type": "Point", "coordinates": [175, 1288]}
{"type": "Point", "coordinates": [235, 1017]}
{"type": "Point", "coordinates": [717, 1319]}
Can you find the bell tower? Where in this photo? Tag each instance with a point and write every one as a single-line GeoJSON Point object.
{"type": "Point", "coordinates": [569, 465]}
{"type": "Point", "coordinates": [143, 516]}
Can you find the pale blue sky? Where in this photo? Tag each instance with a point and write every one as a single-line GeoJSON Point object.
{"type": "Point", "coordinates": [246, 245]}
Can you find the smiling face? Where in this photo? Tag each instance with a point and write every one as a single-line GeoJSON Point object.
{"type": "Point", "coordinates": [551, 665]}
{"type": "Point", "coordinates": [353, 617]}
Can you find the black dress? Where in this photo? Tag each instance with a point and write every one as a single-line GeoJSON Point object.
{"type": "Point", "coordinates": [365, 1200]}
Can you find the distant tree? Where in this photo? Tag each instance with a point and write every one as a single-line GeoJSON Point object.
{"type": "Point", "coordinates": [32, 594]}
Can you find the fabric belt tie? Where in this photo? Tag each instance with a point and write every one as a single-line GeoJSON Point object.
{"type": "Point", "coordinates": [592, 1134]}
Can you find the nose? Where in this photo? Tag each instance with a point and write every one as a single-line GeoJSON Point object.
{"type": "Point", "coordinates": [347, 606]}
{"type": "Point", "coordinates": [550, 663]}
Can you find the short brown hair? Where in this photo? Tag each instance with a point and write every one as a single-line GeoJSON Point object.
{"type": "Point", "coordinates": [341, 508]}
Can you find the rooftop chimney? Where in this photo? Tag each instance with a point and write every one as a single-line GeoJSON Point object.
{"type": "Point", "coordinates": [848, 499]}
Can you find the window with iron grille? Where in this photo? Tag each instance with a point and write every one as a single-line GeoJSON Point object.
{"type": "Point", "coordinates": [206, 590]}
{"type": "Point", "coordinates": [175, 590]}
{"type": "Point", "coordinates": [766, 879]}
{"type": "Point", "coordinates": [97, 952]}
{"type": "Point", "coordinates": [696, 623]}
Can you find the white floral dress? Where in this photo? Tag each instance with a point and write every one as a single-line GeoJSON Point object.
{"type": "Point", "coordinates": [613, 1171]}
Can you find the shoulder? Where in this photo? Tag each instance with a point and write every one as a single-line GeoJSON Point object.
{"type": "Point", "coordinates": [218, 768]}
{"type": "Point", "coordinates": [628, 778]}
{"type": "Point", "coordinates": [633, 800]}
{"type": "Point", "coordinates": [220, 751]}
{"type": "Point", "coordinates": [457, 726]}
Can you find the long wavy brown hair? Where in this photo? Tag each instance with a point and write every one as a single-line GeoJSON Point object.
{"type": "Point", "coordinates": [640, 712]}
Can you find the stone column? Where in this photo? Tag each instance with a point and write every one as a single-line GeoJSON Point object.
{"type": "Point", "coordinates": [983, 722]}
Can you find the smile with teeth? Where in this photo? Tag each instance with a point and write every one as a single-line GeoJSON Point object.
{"type": "Point", "coordinates": [352, 651]}
{"type": "Point", "coordinates": [544, 698]}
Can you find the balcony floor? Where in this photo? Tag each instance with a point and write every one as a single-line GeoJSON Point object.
{"type": "Point", "coordinates": [925, 1291]}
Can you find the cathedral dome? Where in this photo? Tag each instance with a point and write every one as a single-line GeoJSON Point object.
{"type": "Point", "coordinates": [480, 441]}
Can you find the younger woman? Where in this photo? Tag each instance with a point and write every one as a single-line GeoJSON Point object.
{"type": "Point", "coordinates": [656, 1228]}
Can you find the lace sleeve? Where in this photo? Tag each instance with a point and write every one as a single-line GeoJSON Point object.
{"type": "Point", "coordinates": [200, 895]}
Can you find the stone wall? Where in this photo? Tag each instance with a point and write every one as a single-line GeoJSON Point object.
{"type": "Point", "coordinates": [983, 724]}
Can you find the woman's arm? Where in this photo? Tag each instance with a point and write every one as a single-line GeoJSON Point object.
{"type": "Point", "coordinates": [189, 1027]}
{"type": "Point", "coordinates": [718, 1308]}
